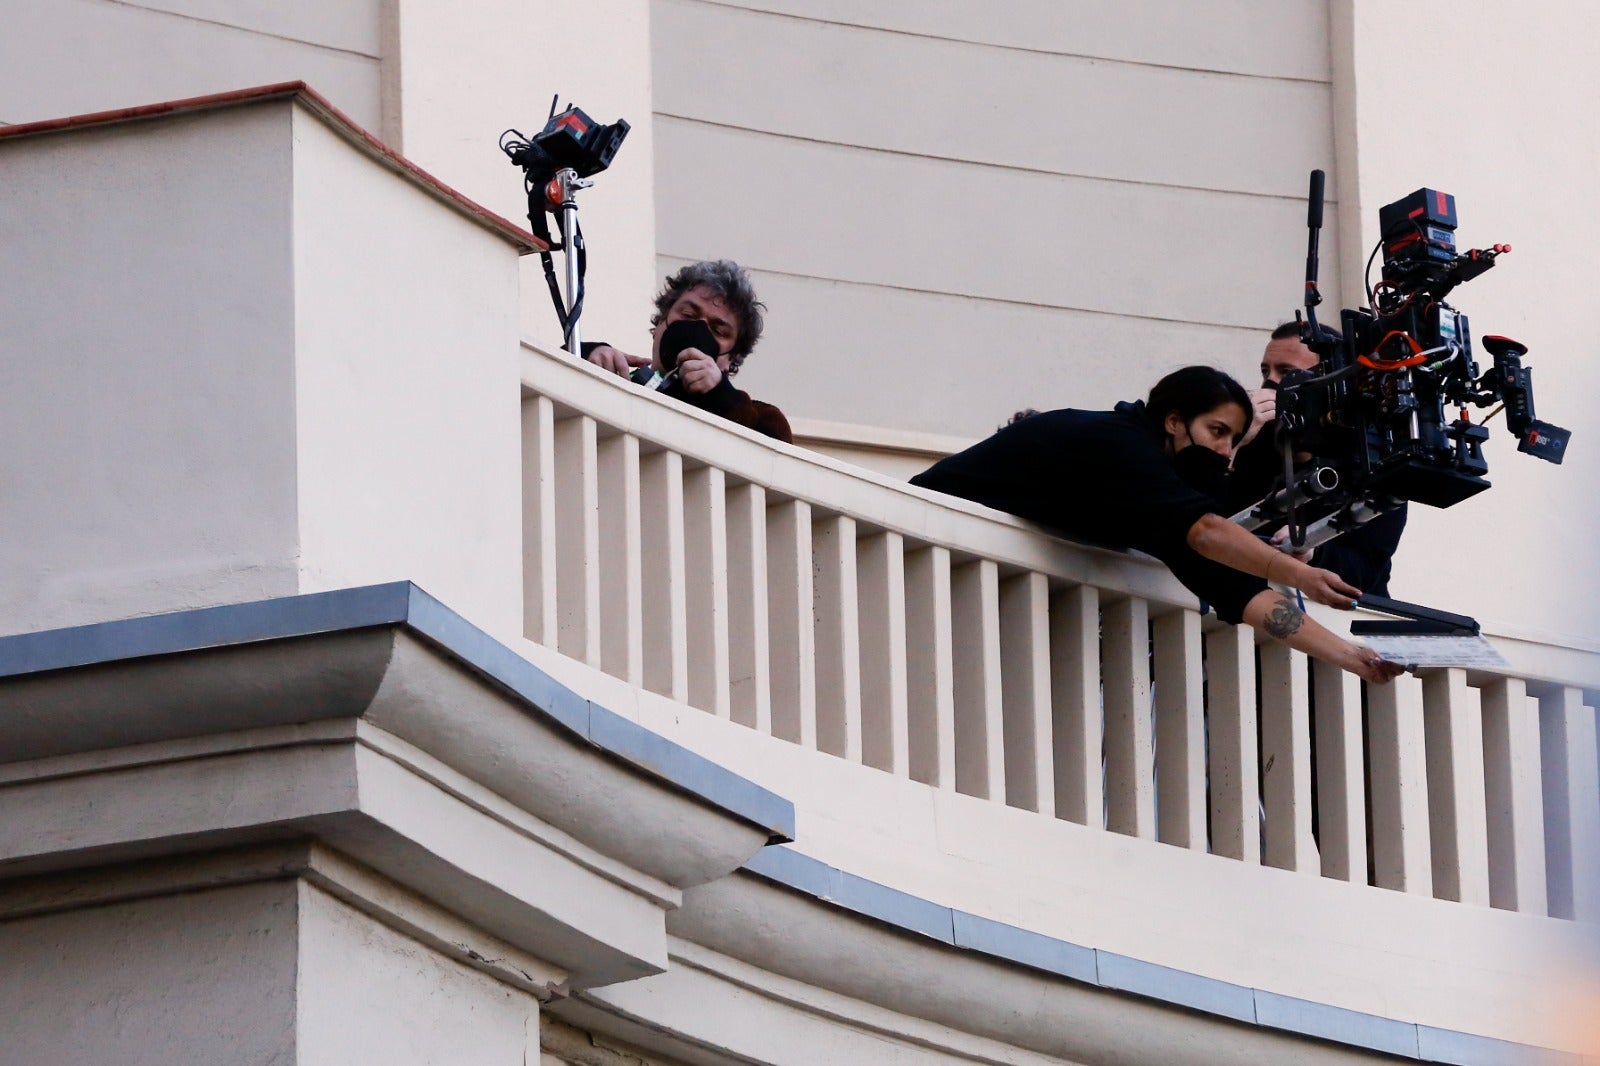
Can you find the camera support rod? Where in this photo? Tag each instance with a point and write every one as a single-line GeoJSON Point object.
{"type": "Point", "coordinates": [563, 191]}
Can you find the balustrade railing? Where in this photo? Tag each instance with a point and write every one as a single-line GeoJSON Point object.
{"type": "Point", "coordinates": [939, 641]}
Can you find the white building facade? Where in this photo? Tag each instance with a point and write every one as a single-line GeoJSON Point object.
{"type": "Point", "coordinates": [699, 748]}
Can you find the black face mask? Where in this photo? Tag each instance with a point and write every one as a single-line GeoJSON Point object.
{"type": "Point", "coordinates": [1202, 469]}
{"type": "Point", "coordinates": [684, 334]}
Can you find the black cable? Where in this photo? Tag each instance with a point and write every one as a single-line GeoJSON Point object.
{"type": "Point", "coordinates": [1366, 275]}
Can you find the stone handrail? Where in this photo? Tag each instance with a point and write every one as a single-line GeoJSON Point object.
{"type": "Point", "coordinates": [941, 641]}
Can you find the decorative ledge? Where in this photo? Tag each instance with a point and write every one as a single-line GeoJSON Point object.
{"type": "Point", "coordinates": [1109, 971]}
{"type": "Point", "coordinates": [404, 605]}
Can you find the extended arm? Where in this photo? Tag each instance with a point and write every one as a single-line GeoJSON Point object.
{"type": "Point", "coordinates": [1271, 613]}
{"type": "Point", "coordinates": [1220, 540]}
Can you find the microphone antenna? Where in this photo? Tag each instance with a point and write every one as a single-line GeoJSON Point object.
{"type": "Point", "coordinates": [1314, 225]}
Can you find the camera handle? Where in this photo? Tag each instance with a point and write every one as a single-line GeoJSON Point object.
{"type": "Point", "coordinates": [1313, 294]}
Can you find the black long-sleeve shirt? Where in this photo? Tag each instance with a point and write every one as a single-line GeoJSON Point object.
{"type": "Point", "coordinates": [1102, 477]}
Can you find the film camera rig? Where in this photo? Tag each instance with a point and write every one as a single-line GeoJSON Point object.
{"type": "Point", "coordinates": [556, 163]}
{"type": "Point", "coordinates": [1384, 415]}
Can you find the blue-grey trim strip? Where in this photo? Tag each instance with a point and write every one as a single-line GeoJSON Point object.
{"type": "Point", "coordinates": [207, 627]}
{"type": "Point", "coordinates": [1180, 987]}
{"type": "Point", "coordinates": [1018, 945]}
{"type": "Point", "coordinates": [1336, 1024]}
{"type": "Point", "coordinates": [1119, 973]}
{"type": "Point", "coordinates": [1460, 1049]}
{"type": "Point", "coordinates": [402, 604]}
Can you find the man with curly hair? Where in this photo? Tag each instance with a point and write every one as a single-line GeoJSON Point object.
{"type": "Point", "coordinates": [718, 293]}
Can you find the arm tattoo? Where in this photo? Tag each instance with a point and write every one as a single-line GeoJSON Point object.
{"type": "Point", "coordinates": [1283, 620]}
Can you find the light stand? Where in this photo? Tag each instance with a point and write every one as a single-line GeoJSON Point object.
{"type": "Point", "coordinates": [565, 185]}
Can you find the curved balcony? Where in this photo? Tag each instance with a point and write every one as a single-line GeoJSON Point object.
{"type": "Point", "coordinates": [264, 791]}
{"type": "Point", "coordinates": [1052, 737]}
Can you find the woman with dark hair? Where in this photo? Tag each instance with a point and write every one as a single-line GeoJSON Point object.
{"type": "Point", "coordinates": [1149, 475]}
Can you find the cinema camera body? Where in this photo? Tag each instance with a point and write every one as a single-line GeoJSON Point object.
{"type": "Point", "coordinates": [1384, 418]}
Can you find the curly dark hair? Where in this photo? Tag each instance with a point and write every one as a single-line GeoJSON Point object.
{"type": "Point", "coordinates": [729, 281]}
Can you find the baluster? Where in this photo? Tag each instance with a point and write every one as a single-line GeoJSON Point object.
{"type": "Point", "coordinates": [838, 636]}
{"type": "Point", "coordinates": [539, 520]}
{"type": "Point", "coordinates": [1458, 822]}
{"type": "Point", "coordinates": [975, 611]}
{"type": "Point", "coordinates": [930, 668]}
{"type": "Point", "coordinates": [578, 539]}
{"type": "Point", "coordinates": [1130, 762]}
{"type": "Point", "coordinates": [794, 685]}
{"type": "Point", "coordinates": [1341, 772]}
{"type": "Point", "coordinates": [1286, 759]}
{"type": "Point", "coordinates": [621, 560]}
{"type": "Point", "coordinates": [1402, 854]}
{"type": "Point", "coordinates": [1075, 704]}
{"type": "Point", "coordinates": [705, 549]}
{"type": "Point", "coordinates": [666, 651]}
{"type": "Point", "coordinates": [1515, 805]}
{"type": "Point", "coordinates": [749, 666]}
{"type": "Point", "coordinates": [1180, 730]}
{"type": "Point", "coordinates": [1571, 804]}
{"type": "Point", "coordinates": [1231, 700]}
{"type": "Point", "coordinates": [1025, 692]}
{"type": "Point", "coordinates": [880, 567]}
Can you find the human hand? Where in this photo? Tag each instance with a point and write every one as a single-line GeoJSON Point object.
{"type": "Point", "coordinates": [1328, 589]}
{"type": "Point", "coordinates": [1281, 537]}
{"type": "Point", "coordinates": [1370, 666]}
{"type": "Point", "coordinates": [1264, 402]}
{"type": "Point", "coordinates": [698, 372]}
{"type": "Point", "coordinates": [615, 360]}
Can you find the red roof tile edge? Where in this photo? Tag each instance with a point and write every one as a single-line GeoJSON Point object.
{"type": "Point", "coordinates": [318, 105]}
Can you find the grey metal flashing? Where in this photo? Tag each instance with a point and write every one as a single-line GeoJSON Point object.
{"type": "Point", "coordinates": [691, 771]}
{"type": "Point", "coordinates": [898, 908]}
{"type": "Point", "coordinates": [402, 604]}
{"type": "Point", "coordinates": [206, 627]}
{"type": "Point", "coordinates": [1205, 994]}
{"type": "Point", "coordinates": [1020, 946]}
{"type": "Point", "coordinates": [1445, 1045]}
{"type": "Point", "coordinates": [793, 870]}
{"type": "Point", "coordinates": [470, 645]}
{"type": "Point", "coordinates": [1161, 984]}
{"type": "Point", "coordinates": [1336, 1024]}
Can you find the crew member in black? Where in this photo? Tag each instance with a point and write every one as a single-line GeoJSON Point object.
{"type": "Point", "coordinates": [717, 292]}
{"type": "Point", "coordinates": [1363, 555]}
{"type": "Point", "coordinates": [1150, 476]}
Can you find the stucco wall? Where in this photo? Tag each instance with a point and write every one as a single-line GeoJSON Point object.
{"type": "Point", "coordinates": [438, 82]}
{"type": "Point", "coordinates": [220, 389]}
{"type": "Point", "coordinates": [369, 994]}
{"type": "Point", "coordinates": [69, 57]}
{"type": "Point", "coordinates": [147, 384]}
{"type": "Point", "coordinates": [406, 387]}
{"type": "Point", "coordinates": [195, 978]}
{"type": "Point", "coordinates": [953, 216]}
